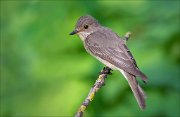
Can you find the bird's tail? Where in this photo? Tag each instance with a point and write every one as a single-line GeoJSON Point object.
{"type": "Point", "coordinates": [136, 89]}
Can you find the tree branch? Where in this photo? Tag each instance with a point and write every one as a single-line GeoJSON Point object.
{"type": "Point", "coordinates": [127, 36]}
{"type": "Point", "coordinates": [98, 84]}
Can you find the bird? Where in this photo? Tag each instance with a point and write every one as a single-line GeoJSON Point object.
{"type": "Point", "coordinates": [111, 50]}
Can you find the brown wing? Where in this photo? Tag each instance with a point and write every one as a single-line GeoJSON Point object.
{"type": "Point", "coordinates": [129, 54]}
{"type": "Point", "coordinates": [109, 47]}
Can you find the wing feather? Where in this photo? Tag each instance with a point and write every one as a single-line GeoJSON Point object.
{"type": "Point", "coordinates": [109, 47]}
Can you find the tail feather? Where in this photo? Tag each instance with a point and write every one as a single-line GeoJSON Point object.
{"type": "Point", "coordinates": [136, 89]}
{"type": "Point", "coordinates": [142, 91]}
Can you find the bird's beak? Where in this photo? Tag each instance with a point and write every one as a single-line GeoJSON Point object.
{"type": "Point", "coordinates": [73, 32]}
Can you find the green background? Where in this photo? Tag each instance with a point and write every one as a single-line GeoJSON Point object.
{"type": "Point", "coordinates": [47, 72]}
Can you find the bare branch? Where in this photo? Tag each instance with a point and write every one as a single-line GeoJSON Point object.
{"type": "Point", "coordinates": [127, 36]}
{"type": "Point", "coordinates": [98, 84]}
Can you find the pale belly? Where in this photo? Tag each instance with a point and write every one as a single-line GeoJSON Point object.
{"type": "Point", "coordinates": [106, 63]}
{"type": "Point", "coordinates": [111, 66]}
{"type": "Point", "coordinates": [83, 36]}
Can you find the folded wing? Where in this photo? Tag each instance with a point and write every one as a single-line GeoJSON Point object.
{"type": "Point", "coordinates": [109, 47]}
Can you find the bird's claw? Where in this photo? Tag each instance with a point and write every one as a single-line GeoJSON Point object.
{"type": "Point", "coordinates": [106, 70]}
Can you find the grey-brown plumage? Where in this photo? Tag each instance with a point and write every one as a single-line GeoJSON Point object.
{"type": "Point", "coordinates": [111, 50]}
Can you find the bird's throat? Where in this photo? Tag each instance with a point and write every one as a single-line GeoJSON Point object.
{"type": "Point", "coordinates": [84, 35]}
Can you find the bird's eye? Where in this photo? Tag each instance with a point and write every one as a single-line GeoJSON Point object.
{"type": "Point", "coordinates": [86, 26]}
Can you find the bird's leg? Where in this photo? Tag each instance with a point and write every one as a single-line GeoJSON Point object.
{"type": "Point", "coordinates": [106, 70]}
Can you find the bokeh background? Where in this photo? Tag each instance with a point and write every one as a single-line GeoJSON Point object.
{"type": "Point", "coordinates": [47, 72]}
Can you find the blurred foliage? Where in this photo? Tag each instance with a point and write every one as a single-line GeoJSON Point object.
{"type": "Point", "coordinates": [46, 72]}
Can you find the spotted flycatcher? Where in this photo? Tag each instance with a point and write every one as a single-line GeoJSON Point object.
{"type": "Point", "coordinates": [105, 45]}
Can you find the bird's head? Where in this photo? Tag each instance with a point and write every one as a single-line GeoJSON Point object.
{"type": "Point", "coordinates": [85, 25]}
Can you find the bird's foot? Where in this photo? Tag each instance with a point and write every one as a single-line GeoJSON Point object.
{"type": "Point", "coordinates": [106, 70]}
